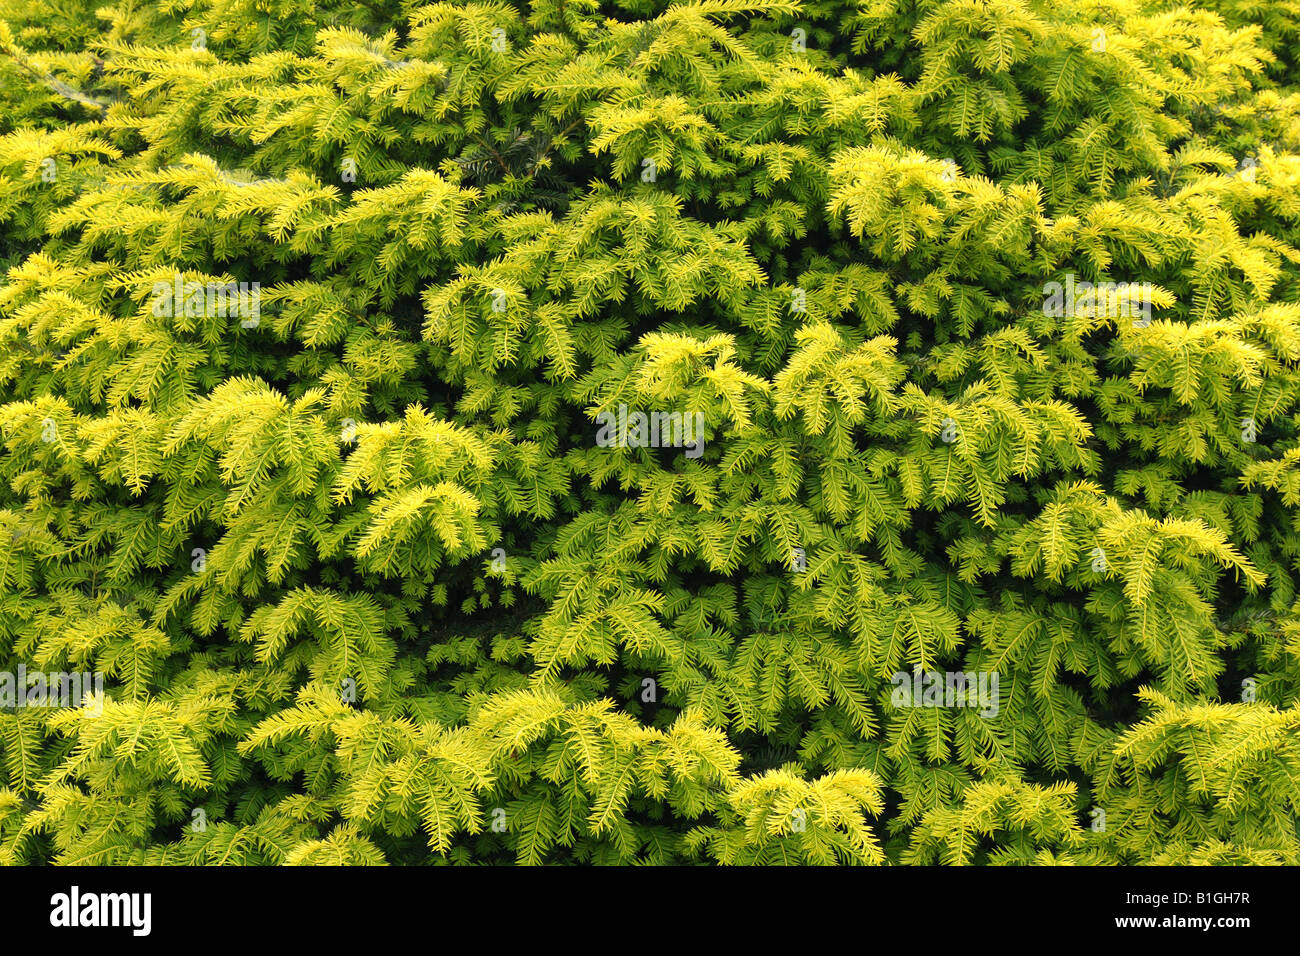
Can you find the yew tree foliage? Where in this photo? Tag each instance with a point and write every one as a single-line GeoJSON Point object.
{"type": "Point", "coordinates": [364, 586]}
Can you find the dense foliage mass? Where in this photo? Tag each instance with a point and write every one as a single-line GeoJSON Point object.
{"type": "Point", "coordinates": [326, 332]}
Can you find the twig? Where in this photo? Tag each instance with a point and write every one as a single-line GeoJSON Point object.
{"type": "Point", "coordinates": [54, 83]}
